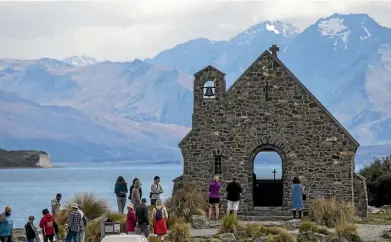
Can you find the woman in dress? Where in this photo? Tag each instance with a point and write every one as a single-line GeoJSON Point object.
{"type": "Point", "coordinates": [130, 220]}
{"type": "Point", "coordinates": [214, 197]}
{"type": "Point", "coordinates": [159, 218]}
{"type": "Point", "coordinates": [297, 197]}
{"type": "Point", "coordinates": [136, 198]}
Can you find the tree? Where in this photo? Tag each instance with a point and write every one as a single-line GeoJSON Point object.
{"type": "Point", "coordinates": [378, 179]}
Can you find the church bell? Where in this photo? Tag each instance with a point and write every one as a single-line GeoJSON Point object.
{"type": "Point", "coordinates": [209, 92]}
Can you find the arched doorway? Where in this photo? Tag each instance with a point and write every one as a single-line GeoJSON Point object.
{"type": "Point", "coordinates": [268, 176]}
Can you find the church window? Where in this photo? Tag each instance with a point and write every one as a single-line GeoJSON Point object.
{"type": "Point", "coordinates": [218, 165]}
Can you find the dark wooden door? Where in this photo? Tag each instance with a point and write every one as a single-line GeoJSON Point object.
{"type": "Point", "coordinates": [268, 193]}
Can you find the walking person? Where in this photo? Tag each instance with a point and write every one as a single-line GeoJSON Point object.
{"type": "Point", "coordinates": [132, 186]}
{"type": "Point", "coordinates": [233, 196]}
{"type": "Point", "coordinates": [142, 218]}
{"type": "Point", "coordinates": [6, 225]}
{"type": "Point", "coordinates": [297, 197]}
{"type": "Point", "coordinates": [159, 218]}
{"type": "Point", "coordinates": [47, 225]}
{"type": "Point", "coordinates": [73, 224]}
{"type": "Point", "coordinates": [31, 230]}
{"type": "Point", "coordinates": [131, 221]}
{"type": "Point", "coordinates": [84, 221]}
{"type": "Point", "coordinates": [156, 190]}
{"type": "Point", "coordinates": [136, 197]}
{"type": "Point", "coordinates": [55, 204]}
{"type": "Point", "coordinates": [214, 197]}
{"type": "Point", "coordinates": [120, 190]}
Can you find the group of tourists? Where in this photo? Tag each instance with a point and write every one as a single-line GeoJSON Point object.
{"type": "Point", "coordinates": [75, 225]}
{"type": "Point", "coordinates": [137, 218]}
{"type": "Point", "coordinates": [234, 190]}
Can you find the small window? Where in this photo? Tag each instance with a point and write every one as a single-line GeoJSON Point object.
{"type": "Point", "coordinates": [218, 168]}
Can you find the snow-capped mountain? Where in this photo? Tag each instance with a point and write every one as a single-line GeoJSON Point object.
{"type": "Point", "coordinates": [345, 60]}
{"type": "Point", "coordinates": [80, 61]}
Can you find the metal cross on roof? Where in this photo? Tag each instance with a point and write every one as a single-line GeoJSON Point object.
{"type": "Point", "coordinates": [274, 49]}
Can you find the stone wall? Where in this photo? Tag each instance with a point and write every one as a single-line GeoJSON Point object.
{"type": "Point", "coordinates": [360, 196]}
{"type": "Point", "coordinates": [290, 121]}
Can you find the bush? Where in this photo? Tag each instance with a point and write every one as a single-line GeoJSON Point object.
{"type": "Point", "coordinates": [228, 224]}
{"type": "Point", "coordinates": [306, 226]}
{"type": "Point", "coordinates": [378, 180]}
{"type": "Point", "coordinates": [348, 231]}
{"type": "Point", "coordinates": [186, 202]}
{"type": "Point", "coordinates": [330, 212]}
{"type": "Point", "coordinates": [255, 230]}
{"type": "Point", "coordinates": [278, 234]}
{"type": "Point", "coordinates": [180, 232]}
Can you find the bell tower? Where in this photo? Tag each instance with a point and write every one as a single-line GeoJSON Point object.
{"type": "Point", "coordinates": [209, 92]}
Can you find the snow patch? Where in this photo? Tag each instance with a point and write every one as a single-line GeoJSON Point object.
{"type": "Point", "coordinates": [367, 32]}
{"type": "Point", "coordinates": [334, 28]}
{"type": "Point", "coordinates": [272, 28]}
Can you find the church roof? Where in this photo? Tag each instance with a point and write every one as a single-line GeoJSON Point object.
{"type": "Point", "coordinates": [209, 67]}
{"type": "Point", "coordinates": [320, 105]}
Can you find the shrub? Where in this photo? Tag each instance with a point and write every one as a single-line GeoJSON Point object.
{"type": "Point", "coordinates": [348, 231]}
{"type": "Point", "coordinates": [180, 232]}
{"type": "Point", "coordinates": [228, 224]}
{"type": "Point", "coordinates": [154, 239]}
{"type": "Point", "coordinates": [378, 180]}
{"type": "Point", "coordinates": [306, 226]}
{"type": "Point", "coordinates": [187, 201]}
{"type": "Point", "coordinates": [330, 212]}
{"type": "Point", "coordinates": [255, 230]}
{"type": "Point", "coordinates": [93, 230]}
{"type": "Point", "coordinates": [280, 235]}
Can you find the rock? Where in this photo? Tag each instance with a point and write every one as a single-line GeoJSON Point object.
{"type": "Point", "coordinates": [22, 238]}
{"type": "Point", "coordinates": [199, 222]}
{"type": "Point", "coordinates": [387, 233]}
{"type": "Point", "coordinates": [292, 224]}
{"type": "Point", "coordinates": [261, 239]}
{"type": "Point", "coordinates": [311, 237]}
{"type": "Point", "coordinates": [227, 237]}
{"type": "Point", "coordinates": [375, 210]}
{"type": "Point", "coordinates": [336, 239]}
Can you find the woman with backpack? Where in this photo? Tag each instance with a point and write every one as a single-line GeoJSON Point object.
{"type": "Point", "coordinates": [159, 219]}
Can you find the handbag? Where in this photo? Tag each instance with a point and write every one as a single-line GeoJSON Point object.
{"type": "Point", "coordinates": [304, 196]}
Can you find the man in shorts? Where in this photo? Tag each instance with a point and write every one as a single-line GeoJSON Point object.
{"type": "Point", "coordinates": [233, 196]}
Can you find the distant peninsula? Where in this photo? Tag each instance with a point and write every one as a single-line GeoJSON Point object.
{"type": "Point", "coordinates": [24, 159]}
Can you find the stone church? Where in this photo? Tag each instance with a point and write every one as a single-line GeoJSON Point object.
{"type": "Point", "coordinates": [268, 109]}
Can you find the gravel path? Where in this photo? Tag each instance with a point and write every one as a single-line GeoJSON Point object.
{"type": "Point", "coordinates": [367, 232]}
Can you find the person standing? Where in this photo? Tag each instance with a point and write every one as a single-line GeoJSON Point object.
{"type": "Point", "coordinates": [132, 186]}
{"type": "Point", "coordinates": [120, 190]}
{"type": "Point", "coordinates": [142, 218]}
{"type": "Point", "coordinates": [214, 197]}
{"type": "Point", "coordinates": [233, 196]}
{"type": "Point", "coordinates": [6, 225]}
{"type": "Point", "coordinates": [74, 224]}
{"type": "Point", "coordinates": [55, 204]}
{"type": "Point", "coordinates": [136, 198]}
{"type": "Point", "coordinates": [297, 197]}
{"type": "Point", "coordinates": [156, 190]}
{"type": "Point", "coordinates": [130, 220]}
{"type": "Point", "coordinates": [47, 225]}
{"type": "Point", "coordinates": [30, 229]}
{"type": "Point", "coordinates": [84, 221]}
{"type": "Point", "coordinates": [159, 218]}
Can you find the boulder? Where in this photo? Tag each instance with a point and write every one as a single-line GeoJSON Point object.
{"type": "Point", "coordinates": [199, 222]}
{"type": "Point", "coordinates": [387, 233]}
{"type": "Point", "coordinates": [375, 210]}
{"type": "Point", "coordinates": [227, 237]}
{"type": "Point", "coordinates": [311, 237]}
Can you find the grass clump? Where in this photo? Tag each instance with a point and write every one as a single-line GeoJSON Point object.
{"type": "Point", "coordinates": [255, 230]}
{"type": "Point", "coordinates": [307, 226]}
{"type": "Point", "coordinates": [180, 232]}
{"type": "Point", "coordinates": [348, 232]}
{"type": "Point", "coordinates": [330, 212]}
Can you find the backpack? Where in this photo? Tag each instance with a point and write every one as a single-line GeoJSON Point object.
{"type": "Point", "coordinates": [159, 214]}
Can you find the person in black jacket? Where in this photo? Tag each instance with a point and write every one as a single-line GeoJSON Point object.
{"type": "Point", "coordinates": [142, 218]}
{"type": "Point", "coordinates": [233, 196]}
{"type": "Point", "coordinates": [30, 229]}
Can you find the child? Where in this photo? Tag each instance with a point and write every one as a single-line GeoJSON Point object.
{"type": "Point", "coordinates": [30, 229]}
{"type": "Point", "coordinates": [130, 220]}
{"type": "Point", "coordinates": [48, 225]}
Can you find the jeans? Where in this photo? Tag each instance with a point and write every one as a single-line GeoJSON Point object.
{"type": "Point", "coordinates": [31, 240]}
{"type": "Point", "coordinates": [121, 201]}
{"type": "Point", "coordinates": [82, 235]}
{"type": "Point", "coordinates": [143, 229]}
{"type": "Point", "coordinates": [6, 239]}
{"type": "Point", "coordinates": [72, 235]}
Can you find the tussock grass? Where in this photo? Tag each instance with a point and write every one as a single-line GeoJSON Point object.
{"type": "Point", "coordinates": [180, 232]}
{"type": "Point", "coordinates": [330, 212]}
{"type": "Point", "coordinates": [348, 232]}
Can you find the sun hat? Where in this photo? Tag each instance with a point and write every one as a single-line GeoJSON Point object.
{"type": "Point", "coordinates": [75, 205]}
{"type": "Point", "coordinates": [130, 205]}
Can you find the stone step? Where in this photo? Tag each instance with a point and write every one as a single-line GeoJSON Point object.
{"type": "Point", "coordinates": [264, 218]}
{"type": "Point", "coordinates": [267, 213]}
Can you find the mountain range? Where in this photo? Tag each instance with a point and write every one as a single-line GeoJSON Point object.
{"type": "Point", "coordinates": [81, 109]}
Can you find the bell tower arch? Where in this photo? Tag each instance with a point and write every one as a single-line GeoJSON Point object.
{"type": "Point", "coordinates": [209, 91]}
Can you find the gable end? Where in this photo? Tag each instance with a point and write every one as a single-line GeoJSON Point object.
{"type": "Point", "coordinates": [209, 67]}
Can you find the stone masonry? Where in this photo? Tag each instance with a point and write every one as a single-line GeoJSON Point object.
{"type": "Point", "coordinates": [268, 108]}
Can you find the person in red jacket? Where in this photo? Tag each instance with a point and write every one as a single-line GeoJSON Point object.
{"type": "Point", "coordinates": [47, 224]}
{"type": "Point", "coordinates": [130, 220]}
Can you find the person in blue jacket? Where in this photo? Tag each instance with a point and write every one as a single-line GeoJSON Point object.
{"type": "Point", "coordinates": [6, 225]}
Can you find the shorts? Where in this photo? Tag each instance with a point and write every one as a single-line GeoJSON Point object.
{"type": "Point", "coordinates": [233, 205]}
{"type": "Point", "coordinates": [214, 200]}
